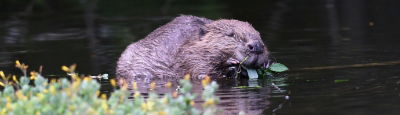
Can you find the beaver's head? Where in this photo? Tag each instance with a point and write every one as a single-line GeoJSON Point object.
{"type": "Point", "coordinates": [240, 43]}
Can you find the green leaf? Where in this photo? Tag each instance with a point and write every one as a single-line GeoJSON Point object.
{"type": "Point", "coordinates": [341, 80]}
{"type": "Point", "coordinates": [278, 67]}
{"type": "Point", "coordinates": [247, 87]}
{"type": "Point", "coordinates": [24, 81]}
{"type": "Point", "coordinates": [8, 90]}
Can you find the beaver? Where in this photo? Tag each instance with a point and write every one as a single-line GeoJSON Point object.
{"type": "Point", "coordinates": [196, 46]}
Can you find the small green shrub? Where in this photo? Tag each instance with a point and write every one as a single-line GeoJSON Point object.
{"type": "Point", "coordinates": [81, 95]}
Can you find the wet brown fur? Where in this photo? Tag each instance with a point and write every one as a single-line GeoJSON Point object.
{"type": "Point", "coordinates": [192, 45]}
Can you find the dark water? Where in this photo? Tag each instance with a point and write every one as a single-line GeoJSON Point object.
{"type": "Point", "coordinates": [300, 34]}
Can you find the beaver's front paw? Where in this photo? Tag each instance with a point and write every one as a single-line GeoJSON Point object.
{"type": "Point", "coordinates": [232, 61]}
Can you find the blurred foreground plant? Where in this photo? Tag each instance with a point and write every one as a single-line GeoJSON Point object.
{"type": "Point", "coordinates": [81, 95]}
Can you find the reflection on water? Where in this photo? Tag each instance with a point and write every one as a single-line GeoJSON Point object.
{"type": "Point", "coordinates": [300, 34]}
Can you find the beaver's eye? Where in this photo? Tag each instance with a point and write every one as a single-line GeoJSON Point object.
{"type": "Point", "coordinates": [230, 34]}
{"type": "Point", "coordinates": [243, 39]}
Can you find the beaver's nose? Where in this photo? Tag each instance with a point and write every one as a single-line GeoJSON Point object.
{"type": "Point", "coordinates": [256, 47]}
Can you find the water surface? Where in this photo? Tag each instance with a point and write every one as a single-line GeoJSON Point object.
{"type": "Point", "coordinates": [300, 34]}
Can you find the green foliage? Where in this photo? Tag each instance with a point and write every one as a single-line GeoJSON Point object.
{"type": "Point", "coordinates": [267, 74]}
{"type": "Point", "coordinates": [278, 67]}
{"type": "Point", "coordinates": [341, 80]}
{"type": "Point", "coordinates": [273, 68]}
{"type": "Point", "coordinates": [81, 96]}
{"type": "Point", "coordinates": [248, 87]}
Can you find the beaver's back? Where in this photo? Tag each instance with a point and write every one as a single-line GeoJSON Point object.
{"type": "Point", "coordinates": [153, 55]}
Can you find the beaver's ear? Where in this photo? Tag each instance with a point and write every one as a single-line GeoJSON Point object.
{"type": "Point", "coordinates": [203, 31]}
{"type": "Point", "coordinates": [230, 33]}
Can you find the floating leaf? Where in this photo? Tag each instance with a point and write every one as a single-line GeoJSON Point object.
{"type": "Point", "coordinates": [278, 67]}
{"type": "Point", "coordinates": [247, 87]}
{"type": "Point", "coordinates": [341, 80]}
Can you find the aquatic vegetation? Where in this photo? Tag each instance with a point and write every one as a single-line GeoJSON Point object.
{"type": "Point", "coordinates": [273, 68]}
{"type": "Point", "coordinates": [341, 80]}
{"type": "Point", "coordinates": [278, 67]}
{"type": "Point", "coordinates": [248, 87]}
{"type": "Point", "coordinates": [269, 74]}
{"type": "Point", "coordinates": [35, 94]}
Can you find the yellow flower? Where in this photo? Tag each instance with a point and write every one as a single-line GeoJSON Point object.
{"type": "Point", "coordinates": [113, 82]}
{"type": "Point", "coordinates": [20, 95]}
{"type": "Point", "coordinates": [209, 102]}
{"type": "Point", "coordinates": [104, 105]}
{"type": "Point", "coordinates": [76, 84]}
{"type": "Point", "coordinates": [164, 100]}
{"type": "Point", "coordinates": [90, 111]}
{"type": "Point", "coordinates": [152, 85]}
{"type": "Point", "coordinates": [69, 69]}
{"type": "Point", "coordinates": [87, 79]}
{"type": "Point", "coordinates": [206, 81]}
{"type": "Point", "coordinates": [137, 94]}
{"type": "Point", "coordinates": [148, 106]}
{"type": "Point", "coordinates": [45, 91]}
{"type": "Point", "coordinates": [75, 77]}
{"type": "Point", "coordinates": [168, 84]}
{"type": "Point", "coordinates": [71, 108]}
{"type": "Point", "coordinates": [8, 99]}
{"type": "Point", "coordinates": [97, 93]}
{"type": "Point", "coordinates": [121, 98]}
{"type": "Point", "coordinates": [69, 92]}
{"type": "Point", "coordinates": [53, 81]}
{"type": "Point", "coordinates": [134, 85]}
{"type": "Point", "coordinates": [3, 111]}
{"type": "Point", "coordinates": [2, 75]}
{"type": "Point", "coordinates": [110, 112]}
{"type": "Point", "coordinates": [33, 75]}
{"type": "Point", "coordinates": [9, 106]}
{"type": "Point", "coordinates": [40, 96]}
{"type": "Point", "coordinates": [144, 107]}
{"type": "Point", "coordinates": [187, 77]}
{"type": "Point", "coordinates": [1, 84]}
{"type": "Point", "coordinates": [24, 66]}
{"type": "Point", "coordinates": [20, 66]}
{"type": "Point", "coordinates": [52, 89]}
{"type": "Point", "coordinates": [162, 113]}
{"type": "Point", "coordinates": [103, 96]}
{"type": "Point", "coordinates": [37, 113]}
{"type": "Point", "coordinates": [17, 63]}
{"type": "Point", "coordinates": [15, 79]}
{"type": "Point", "coordinates": [65, 68]}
